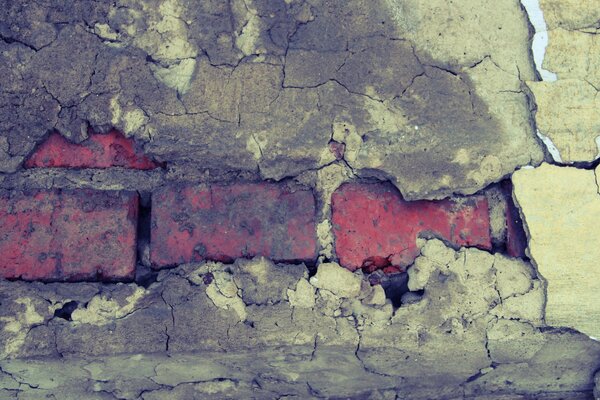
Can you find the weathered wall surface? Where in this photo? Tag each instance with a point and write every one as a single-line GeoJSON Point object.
{"type": "Point", "coordinates": [254, 329]}
{"type": "Point", "coordinates": [435, 104]}
{"type": "Point", "coordinates": [296, 199]}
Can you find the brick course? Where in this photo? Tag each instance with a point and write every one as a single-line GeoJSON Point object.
{"type": "Point", "coordinates": [222, 223]}
{"type": "Point", "coordinates": [55, 235]}
{"type": "Point", "coordinates": [64, 235]}
{"type": "Point", "coordinates": [375, 228]}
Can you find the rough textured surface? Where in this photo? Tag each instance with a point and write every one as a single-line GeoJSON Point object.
{"type": "Point", "coordinates": [97, 151]}
{"type": "Point", "coordinates": [284, 348]}
{"type": "Point", "coordinates": [433, 103]}
{"type": "Point", "coordinates": [68, 235]}
{"type": "Point", "coordinates": [571, 14]}
{"type": "Point", "coordinates": [567, 114]}
{"type": "Point", "coordinates": [561, 211]}
{"type": "Point", "coordinates": [375, 228]}
{"type": "Point", "coordinates": [194, 223]}
{"type": "Point", "coordinates": [230, 96]}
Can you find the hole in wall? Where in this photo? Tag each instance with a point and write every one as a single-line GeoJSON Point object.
{"type": "Point", "coordinates": [66, 310]}
{"type": "Point", "coordinates": [395, 287]}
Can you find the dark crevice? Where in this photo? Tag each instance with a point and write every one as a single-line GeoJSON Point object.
{"type": "Point", "coordinates": [66, 310]}
{"type": "Point", "coordinates": [10, 40]}
{"type": "Point", "coordinates": [144, 274]}
{"type": "Point", "coordinates": [395, 286]}
{"type": "Point", "coordinates": [312, 270]}
{"type": "Point", "coordinates": [587, 165]}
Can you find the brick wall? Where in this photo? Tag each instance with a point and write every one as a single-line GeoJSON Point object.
{"type": "Point", "coordinates": [91, 234]}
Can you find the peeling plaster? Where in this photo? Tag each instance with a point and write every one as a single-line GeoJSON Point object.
{"type": "Point", "coordinates": [540, 38]}
{"type": "Point", "coordinates": [538, 47]}
{"type": "Point", "coordinates": [550, 146]}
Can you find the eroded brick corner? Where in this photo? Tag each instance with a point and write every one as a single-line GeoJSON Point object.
{"type": "Point", "coordinates": [99, 150]}
{"type": "Point", "coordinates": [375, 228]}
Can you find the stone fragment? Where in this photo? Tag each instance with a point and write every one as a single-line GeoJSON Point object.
{"type": "Point", "coordinates": [574, 133]}
{"type": "Point", "coordinates": [338, 280]}
{"type": "Point", "coordinates": [376, 297]}
{"type": "Point", "coordinates": [303, 296]}
{"type": "Point", "coordinates": [375, 228]}
{"type": "Point", "coordinates": [561, 209]}
{"type": "Point", "coordinates": [223, 223]}
{"type": "Point", "coordinates": [68, 235]}
{"type": "Point", "coordinates": [98, 151]}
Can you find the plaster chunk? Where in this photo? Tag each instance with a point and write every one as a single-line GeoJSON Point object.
{"type": "Point", "coordinates": [419, 273]}
{"type": "Point", "coordinates": [223, 292]}
{"type": "Point", "coordinates": [513, 277]}
{"type": "Point", "coordinates": [336, 279]}
{"type": "Point", "coordinates": [561, 210]}
{"type": "Point", "coordinates": [376, 297]}
{"type": "Point", "coordinates": [103, 309]}
{"type": "Point", "coordinates": [303, 296]}
{"type": "Point", "coordinates": [574, 132]}
{"type": "Point", "coordinates": [523, 307]}
{"type": "Point", "coordinates": [262, 282]}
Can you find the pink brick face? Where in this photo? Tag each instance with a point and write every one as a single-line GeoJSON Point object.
{"type": "Point", "coordinates": [98, 151]}
{"type": "Point", "coordinates": [223, 223]}
{"type": "Point", "coordinates": [68, 235]}
{"type": "Point", "coordinates": [375, 228]}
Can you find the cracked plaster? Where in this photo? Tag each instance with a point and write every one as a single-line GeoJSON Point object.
{"type": "Point", "coordinates": [479, 310]}
{"type": "Point", "coordinates": [260, 88]}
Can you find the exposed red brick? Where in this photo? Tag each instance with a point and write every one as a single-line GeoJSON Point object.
{"type": "Point", "coordinates": [516, 239]}
{"type": "Point", "coordinates": [99, 150]}
{"type": "Point", "coordinates": [68, 235]}
{"type": "Point", "coordinates": [375, 228]}
{"type": "Point", "coordinates": [337, 149]}
{"type": "Point", "coordinates": [223, 223]}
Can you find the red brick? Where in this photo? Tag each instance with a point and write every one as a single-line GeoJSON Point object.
{"type": "Point", "coordinates": [375, 228]}
{"type": "Point", "coordinates": [223, 223]}
{"type": "Point", "coordinates": [99, 150]}
{"type": "Point", "coordinates": [68, 235]}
